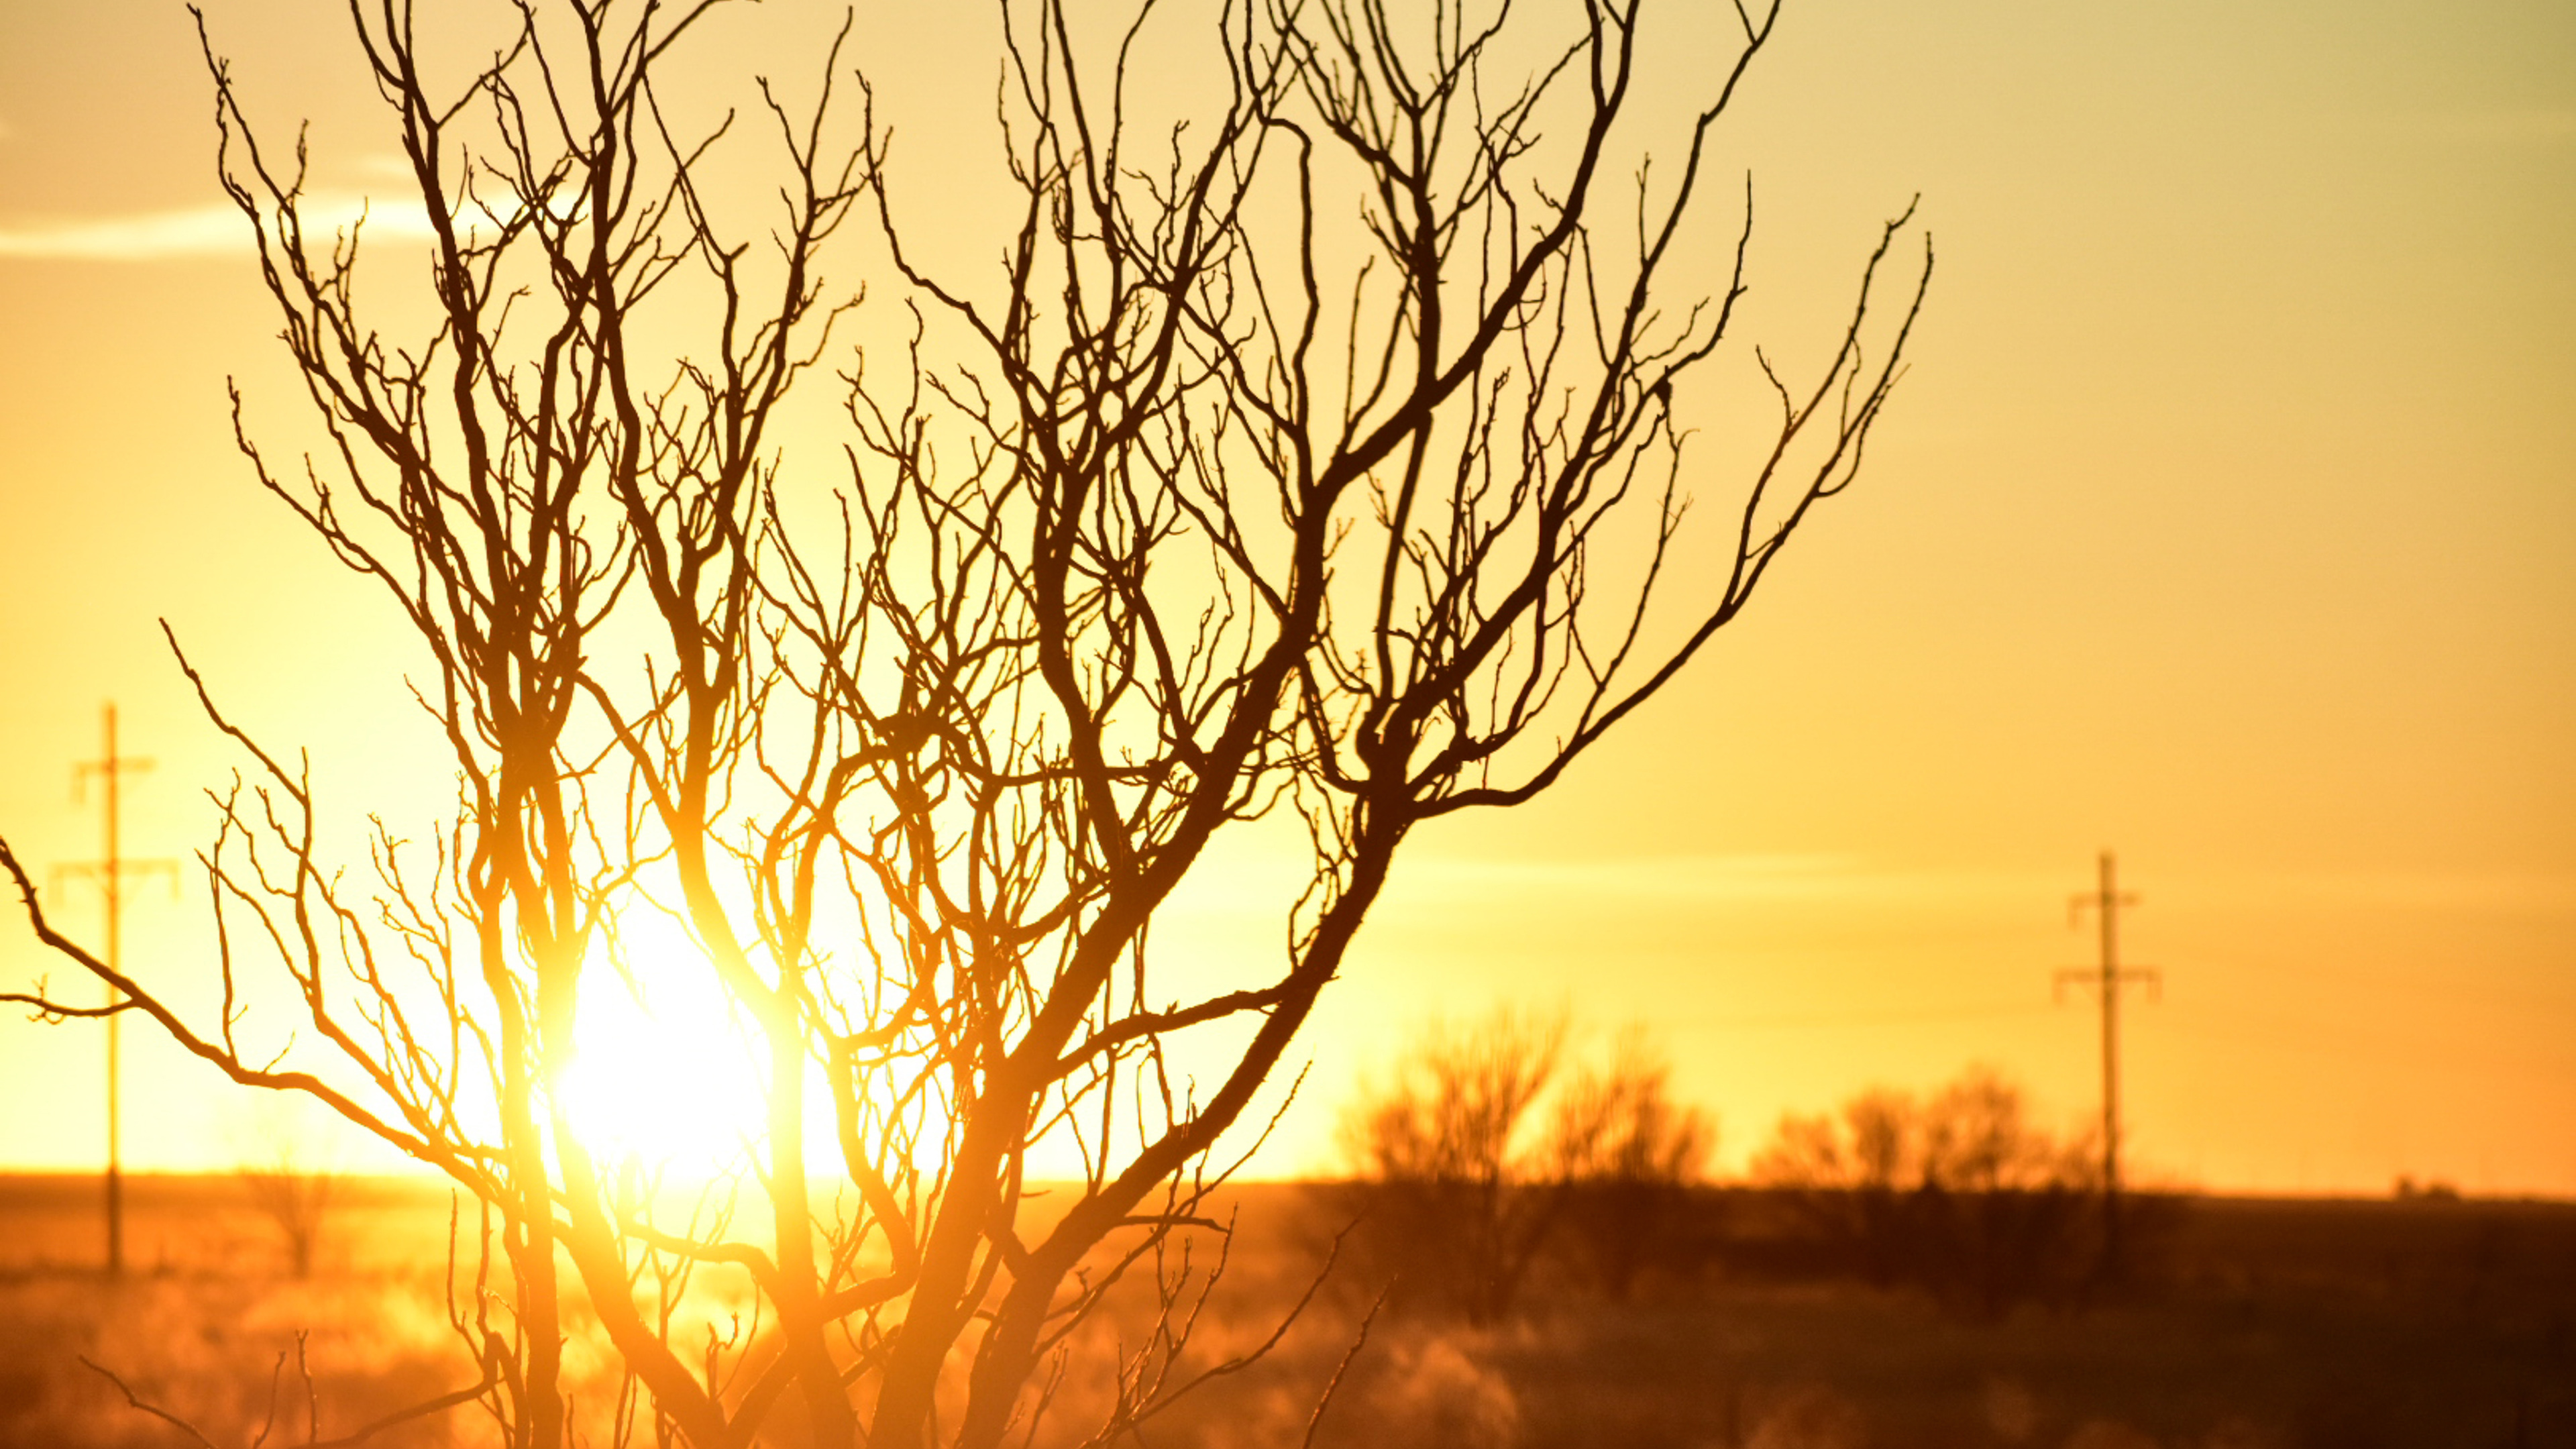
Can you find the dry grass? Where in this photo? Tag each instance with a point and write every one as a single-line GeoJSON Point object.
{"type": "Point", "coordinates": [207, 1317]}
{"type": "Point", "coordinates": [2275, 1326]}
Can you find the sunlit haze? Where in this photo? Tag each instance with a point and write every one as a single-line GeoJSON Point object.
{"type": "Point", "coordinates": [2225, 519]}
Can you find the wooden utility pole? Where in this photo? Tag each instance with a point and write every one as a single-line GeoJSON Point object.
{"type": "Point", "coordinates": [110, 872]}
{"type": "Point", "coordinates": [2106, 977]}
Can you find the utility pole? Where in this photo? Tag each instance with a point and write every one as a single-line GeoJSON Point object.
{"type": "Point", "coordinates": [2106, 978]}
{"type": "Point", "coordinates": [110, 872]}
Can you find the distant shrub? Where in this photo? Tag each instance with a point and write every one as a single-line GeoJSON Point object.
{"type": "Point", "coordinates": [1626, 1156]}
{"type": "Point", "coordinates": [287, 1174]}
{"type": "Point", "coordinates": [2429, 1190]}
{"type": "Point", "coordinates": [1450, 1194]}
{"type": "Point", "coordinates": [1464, 1187]}
{"type": "Point", "coordinates": [1956, 1193]}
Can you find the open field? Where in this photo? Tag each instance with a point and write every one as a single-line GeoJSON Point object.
{"type": "Point", "coordinates": [2263, 1323]}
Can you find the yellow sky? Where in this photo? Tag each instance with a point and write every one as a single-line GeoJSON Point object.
{"type": "Point", "coordinates": [2227, 519]}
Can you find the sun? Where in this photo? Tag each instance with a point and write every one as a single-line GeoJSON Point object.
{"type": "Point", "coordinates": [669, 1073]}
{"type": "Point", "coordinates": [665, 1073]}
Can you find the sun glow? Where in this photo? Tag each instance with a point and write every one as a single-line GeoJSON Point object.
{"type": "Point", "coordinates": [665, 1072]}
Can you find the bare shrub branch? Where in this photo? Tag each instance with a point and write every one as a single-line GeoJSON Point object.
{"type": "Point", "coordinates": [1321, 459]}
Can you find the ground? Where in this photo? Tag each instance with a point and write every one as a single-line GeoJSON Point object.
{"type": "Point", "coordinates": [2289, 1324]}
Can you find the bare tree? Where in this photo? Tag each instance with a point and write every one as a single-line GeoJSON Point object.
{"type": "Point", "coordinates": [1320, 458]}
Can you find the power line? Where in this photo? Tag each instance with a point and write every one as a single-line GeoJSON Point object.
{"type": "Point", "coordinates": [1864, 1018]}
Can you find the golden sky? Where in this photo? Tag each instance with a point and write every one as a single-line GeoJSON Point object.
{"type": "Point", "coordinates": [2226, 519]}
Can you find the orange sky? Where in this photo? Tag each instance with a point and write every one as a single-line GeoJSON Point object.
{"type": "Point", "coordinates": [2227, 519]}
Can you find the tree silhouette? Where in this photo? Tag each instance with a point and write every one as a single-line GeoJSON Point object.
{"type": "Point", "coordinates": [290, 1180]}
{"type": "Point", "coordinates": [1317, 459]}
{"type": "Point", "coordinates": [1629, 1155]}
{"type": "Point", "coordinates": [1955, 1192]}
{"type": "Point", "coordinates": [1454, 1190]}
{"type": "Point", "coordinates": [1482, 1156]}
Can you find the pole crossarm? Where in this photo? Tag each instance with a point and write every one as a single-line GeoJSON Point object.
{"type": "Point", "coordinates": [2152, 978]}
{"type": "Point", "coordinates": [97, 870]}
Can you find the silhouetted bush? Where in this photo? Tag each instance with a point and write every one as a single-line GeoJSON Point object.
{"type": "Point", "coordinates": [1956, 1193]}
{"type": "Point", "coordinates": [1462, 1196]}
{"type": "Point", "coordinates": [1626, 1156]}
{"type": "Point", "coordinates": [287, 1176]}
{"type": "Point", "coordinates": [1451, 1201]}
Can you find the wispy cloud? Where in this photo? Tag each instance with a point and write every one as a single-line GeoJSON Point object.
{"type": "Point", "coordinates": [1852, 880]}
{"type": "Point", "coordinates": [1709, 877]}
{"type": "Point", "coordinates": [215, 229]}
